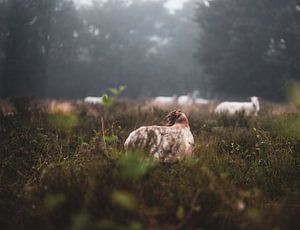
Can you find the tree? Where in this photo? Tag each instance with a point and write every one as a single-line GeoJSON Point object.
{"type": "Point", "coordinates": [249, 47]}
{"type": "Point", "coordinates": [66, 67]}
{"type": "Point", "coordinates": [3, 35]}
{"type": "Point", "coordinates": [53, 48]}
{"type": "Point", "coordinates": [119, 39]}
{"type": "Point", "coordinates": [27, 46]}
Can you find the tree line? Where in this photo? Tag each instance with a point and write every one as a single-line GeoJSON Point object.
{"type": "Point", "coordinates": [224, 48]}
{"type": "Point", "coordinates": [54, 48]}
{"type": "Point", "coordinates": [250, 47]}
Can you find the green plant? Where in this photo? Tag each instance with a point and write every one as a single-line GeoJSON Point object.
{"type": "Point", "coordinates": [111, 100]}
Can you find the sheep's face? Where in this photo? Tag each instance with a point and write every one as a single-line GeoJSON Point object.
{"type": "Point", "coordinates": [175, 117]}
{"type": "Point", "coordinates": [255, 102]}
{"type": "Point", "coordinates": [254, 99]}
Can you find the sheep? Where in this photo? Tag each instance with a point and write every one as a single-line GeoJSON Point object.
{"type": "Point", "coordinates": [7, 109]}
{"type": "Point", "coordinates": [233, 107]}
{"type": "Point", "coordinates": [93, 100]}
{"type": "Point", "coordinates": [63, 107]}
{"type": "Point", "coordinates": [164, 101]}
{"type": "Point", "coordinates": [191, 99]}
{"type": "Point", "coordinates": [169, 142]}
{"type": "Point", "coordinates": [201, 101]}
{"type": "Point", "coordinates": [185, 100]}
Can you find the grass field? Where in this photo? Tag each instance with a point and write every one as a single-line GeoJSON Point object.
{"type": "Point", "coordinates": [65, 168]}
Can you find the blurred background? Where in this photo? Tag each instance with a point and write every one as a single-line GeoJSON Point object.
{"type": "Point", "coordinates": [70, 49]}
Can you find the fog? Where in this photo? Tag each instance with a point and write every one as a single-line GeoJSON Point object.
{"type": "Point", "coordinates": [171, 5]}
{"type": "Point", "coordinates": [73, 49]}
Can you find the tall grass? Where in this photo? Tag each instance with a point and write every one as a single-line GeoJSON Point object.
{"type": "Point", "coordinates": [69, 171]}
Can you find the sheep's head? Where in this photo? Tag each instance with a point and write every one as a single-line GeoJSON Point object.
{"type": "Point", "coordinates": [175, 117]}
{"type": "Point", "coordinates": [254, 99]}
{"type": "Point", "coordinates": [255, 102]}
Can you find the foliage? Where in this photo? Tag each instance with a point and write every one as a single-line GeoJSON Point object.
{"type": "Point", "coordinates": [293, 92]}
{"type": "Point", "coordinates": [250, 47]}
{"type": "Point", "coordinates": [110, 100]}
{"type": "Point", "coordinates": [63, 121]}
{"type": "Point", "coordinates": [28, 45]}
{"type": "Point", "coordinates": [57, 49]}
{"type": "Point", "coordinates": [134, 165]}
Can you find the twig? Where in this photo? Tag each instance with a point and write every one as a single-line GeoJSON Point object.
{"type": "Point", "coordinates": [103, 135]}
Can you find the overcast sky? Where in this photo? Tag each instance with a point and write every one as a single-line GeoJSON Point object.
{"type": "Point", "coordinates": [171, 4]}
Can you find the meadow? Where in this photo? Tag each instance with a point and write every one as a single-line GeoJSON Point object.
{"type": "Point", "coordinates": [68, 169]}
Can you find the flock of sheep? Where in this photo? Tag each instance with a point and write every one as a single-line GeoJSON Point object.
{"type": "Point", "coordinates": [251, 107]}
{"type": "Point", "coordinates": [229, 107]}
{"type": "Point", "coordinates": [183, 100]}
{"type": "Point", "coordinates": [173, 140]}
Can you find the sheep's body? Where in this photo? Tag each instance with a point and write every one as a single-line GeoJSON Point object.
{"type": "Point", "coordinates": [93, 100]}
{"type": "Point", "coordinates": [7, 109]}
{"type": "Point", "coordinates": [161, 100]}
{"type": "Point", "coordinates": [63, 107]}
{"type": "Point", "coordinates": [166, 143]}
{"type": "Point", "coordinates": [163, 142]}
{"type": "Point", "coordinates": [191, 99]}
{"type": "Point", "coordinates": [201, 101]}
{"type": "Point", "coordinates": [185, 100]}
{"type": "Point", "coordinates": [234, 107]}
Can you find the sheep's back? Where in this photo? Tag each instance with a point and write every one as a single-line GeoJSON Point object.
{"type": "Point", "coordinates": [162, 142]}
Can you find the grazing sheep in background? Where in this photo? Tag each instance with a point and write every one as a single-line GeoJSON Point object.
{"type": "Point", "coordinates": [64, 107]}
{"type": "Point", "coordinates": [168, 143]}
{"type": "Point", "coordinates": [201, 101]}
{"type": "Point", "coordinates": [93, 100]}
{"type": "Point", "coordinates": [164, 101]}
{"type": "Point", "coordinates": [7, 109]}
{"type": "Point", "coordinates": [191, 99]}
{"type": "Point", "coordinates": [185, 100]}
{"type": "Point", "coordinates": [234, 107]}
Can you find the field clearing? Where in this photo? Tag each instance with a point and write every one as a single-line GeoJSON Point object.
{"type": "Point", "coordinates": [63, 167]}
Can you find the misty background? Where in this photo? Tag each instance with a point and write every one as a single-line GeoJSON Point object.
{"type": "Point", "coordinates": [223, 48]}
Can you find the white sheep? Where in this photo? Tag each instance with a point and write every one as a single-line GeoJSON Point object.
{"type": "Point", "coordinates": [185, 100]}
{"type": "Point", "coordinates": [234, 107]}
{"type": "Point", "coordinates": [188, 99]}
{"type": "Point", "coordinates": [164, 101]}
{"type": "Point", "coordinates": [192, 98]}
{"type": "Point", "coordinates": [201, 101]}
{"type": "Point", "coordinates": [93, 100]}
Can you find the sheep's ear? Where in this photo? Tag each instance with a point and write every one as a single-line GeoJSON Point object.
{"type": "Point", "coordinates": [172, 113]}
